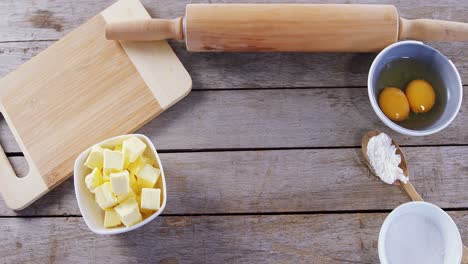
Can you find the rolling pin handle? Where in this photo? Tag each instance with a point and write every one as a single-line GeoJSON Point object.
{"type": "Point", "coordinates": [146, 30]}
{"type": "Point", "coordinates": [432, 30]}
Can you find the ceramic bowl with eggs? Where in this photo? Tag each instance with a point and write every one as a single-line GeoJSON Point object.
{"type": "Point", "coordinates": [414, 89]}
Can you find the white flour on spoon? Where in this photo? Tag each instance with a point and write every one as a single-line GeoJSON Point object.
{"type": "Point", "coordinates": [384, 160]}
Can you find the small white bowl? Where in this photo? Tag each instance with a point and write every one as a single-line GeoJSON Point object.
{"type": "Point", "coordinates": [419, 232]}
{"type": "Point", "coordinates": [92, 213]}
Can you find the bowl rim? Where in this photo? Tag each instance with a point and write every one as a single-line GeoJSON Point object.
{"type": "Point", "coordinates": [111, 231]}
{"type": "Point", "coordinates": [391, 218]}
{"type": "Point", "coordinates": [390, 123]}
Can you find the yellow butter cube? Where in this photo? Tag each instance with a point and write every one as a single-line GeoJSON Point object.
{"type": "Point", "coordinates": [111, 218]}
{"type": "Point", "coordinates": [95, 158]}
{"type": "Point", "coordinates": [120, 182]}
{"type": "Point", "coordinates": [137, 165]}
{"type": "Point", "coordinates": [106, 175]}
{"type": "Point", "coordinates": [126, 162]}
{"type": "Point", "coordinates": [150, 199]}
{"type": "Point", "coordinates": [128, 212]}
{"type": "Point", "coordinates": [105, 198]}
{"type": "Point", "coordinates": [148, 176]}
{"type": "Point", "coordinates": [123, 197]}
{"type": "Point", "coordinates": [138, 198]}
{"type": "Point", "coordinates": [147, 160]}
{"type": "Point", "coordinates": [113, 160]}
{"type": "Point", "coordinates": [133, 148]}
{"type": "Point", "coordinates": [118, 148]}
{"type": "Point", "coordinates": [94, 179]}
{"type": "Point", "coordinates": [133, 183]}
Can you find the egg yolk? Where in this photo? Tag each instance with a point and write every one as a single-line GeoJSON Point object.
{"type": "Point", "coordinates": [394, 104]}
{"type": "Point", "coordinates": [421, 96]}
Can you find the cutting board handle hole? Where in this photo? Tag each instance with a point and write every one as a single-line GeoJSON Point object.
{"type": "Point", "coordinates": [13, 152]}
{"type": "Point", "coordinates": [19, 165]}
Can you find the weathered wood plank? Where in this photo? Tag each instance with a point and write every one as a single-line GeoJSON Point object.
{"type": "Point", "coordinates": [285, 181]}
{"type": "Point", "coordinates": [257, 70]}
{"type": "Point", "coordinates": [342, 238]}
{"type": "Point", "coordinates": [274, 70]}
{"type": "Point", "coordinates": [38, 20]}
{"type": "Point", "coordinates": [273, 119]}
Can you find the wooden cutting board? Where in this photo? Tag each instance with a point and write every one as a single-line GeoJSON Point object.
{"type": "Point", "coordinates": [79, 91]}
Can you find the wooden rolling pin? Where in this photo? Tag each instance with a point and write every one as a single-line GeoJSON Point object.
{"type": "Point", "coordinates": [288, 27]}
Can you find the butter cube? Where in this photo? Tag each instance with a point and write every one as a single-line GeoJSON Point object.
{"type": "Point", "coordinates": [106, 175]}
{"type": "Point", "coordinates": [118, 148]}
{"type": "Point", "coordinates": [123, 197]}
{"type": "Point", "coordinates": [133, 183]}
{"type": "Point", "coordinates": [105, 198]}
{"type": "Point", "coordinates": [133, 148]}
{"type": "Point", "coordinates": [111, 218]}
{"type": "Point", "coordinates": [128, 212]}
{"type": "Point", "coordinates": [137, 165]}
{"type": "Point", "coordinates": [120, 182]}
{"type": "Point", "coordinates": [95, 158]}
{"type": "Point", "coordinates": [146, 159]}
{"type": "Point", "coordinates": [148, 176]}
{"type": "Point", "coordinates": [113, 160]}
{"type": "Point", "coordinates": [94, 179]}
{"type": "Point", "coordinates": [138, 198]}
{"type": "Point", "coordinates": [150, 199]}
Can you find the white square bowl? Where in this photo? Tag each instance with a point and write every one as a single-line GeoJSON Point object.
{"type": "Point", "coordinates": [90, 210]}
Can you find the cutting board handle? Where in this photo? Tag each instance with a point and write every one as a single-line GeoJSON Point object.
{"type": "Point", "coordinates": [19, 192]}
{"type": "Point", "coordinates": [146, 30]}
{"type": "Point", "coordinates": [6, 170]}
{"type": "Point", "coordinates": [432, 30]}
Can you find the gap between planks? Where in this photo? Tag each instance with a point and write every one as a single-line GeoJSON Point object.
{"type": "Point", "coordinates": [208, 150]}
{"type": "Point", "coordinates": [337, 212]}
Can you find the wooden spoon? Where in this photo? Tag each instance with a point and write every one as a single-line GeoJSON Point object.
{"type": "Point", "coordinates": [407, 187]}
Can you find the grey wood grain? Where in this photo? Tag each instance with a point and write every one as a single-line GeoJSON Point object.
{"type": "Point", "coordinates": [28, 20]}
{"type": "Point", "coordinates": [331, 238]}
{"type": "Point", "coordinates": [257, 70]}
{"type": "Point", "coordinates": [284, 181]}
{"type": "Point", "coordinates": [253, 119]}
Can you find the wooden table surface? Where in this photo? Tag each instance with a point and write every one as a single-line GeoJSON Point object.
{"type": "Point", "coordinates": [262, 159]}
